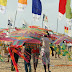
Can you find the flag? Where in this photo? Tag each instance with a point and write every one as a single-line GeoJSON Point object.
{"type": "Point", "coordinates": [45, 18]}
{"type": "Point", "coordinates": [68, 12]}
{"type": "Point", "coordinates": [0, 5]}
{"type": "Point", "coordinates": [22, 5]}
{"type": "Point", "coordinates": [46, 27]}
{"type": "Point", "coordinates": [68, 9]}
{"type": "Point", "coordinates": [62, 8]}
{"type": "Point", "coordinates": [3, 4]}
{"type": "Point", "coordinates": [65, 28]}
{"type": "Point", "coordinates": [24, 26]}
{"type": "Point", "coordinates": [9, 23]}
{"type": "Point", "coordinates": [36, 9]}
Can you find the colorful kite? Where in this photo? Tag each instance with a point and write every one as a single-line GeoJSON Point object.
{"type": "Point", "coordinates": [22, 5]}
{"type": "Point", "coordinates": [36, 9]}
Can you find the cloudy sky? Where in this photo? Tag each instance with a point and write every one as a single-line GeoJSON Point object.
{"type": "Point", "coordinates": [49, 8]}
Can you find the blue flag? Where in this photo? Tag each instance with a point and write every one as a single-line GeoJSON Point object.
{"type": "Point", "coordinates": [36, 7]}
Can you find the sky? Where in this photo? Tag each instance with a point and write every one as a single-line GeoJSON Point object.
{"type": "Point", "coordinates": [49, 8]}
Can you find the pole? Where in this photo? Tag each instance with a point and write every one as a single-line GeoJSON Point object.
{"type": "Point", "coordinates": [42, 21]}
{"type": "Point", "coordinates": [64, 29]}
{"type": "Point", "coordinates": [57, 25]}
{"type": "Point", "coordinates": [15, 18]}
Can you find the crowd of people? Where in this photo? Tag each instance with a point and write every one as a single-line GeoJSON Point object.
{"type": "Point", "coordinates": [33, 51]}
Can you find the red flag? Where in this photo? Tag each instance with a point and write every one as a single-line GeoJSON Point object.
{"type": "Point", "coordinates": [62, 6]}
{"type": "Point", "coordinates": [65, 28]}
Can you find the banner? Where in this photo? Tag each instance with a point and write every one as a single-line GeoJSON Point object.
{"type": "Point", "coordinates": [45, 18]}
{"type": "Point", "coordinates": [36, 9]}
{"type": "Point", "coordinates": [66, 29]}
{"type": "Point", "coordinates": [3, 4]}
{"type": "Point", "coordinates": [62, 8]}
{"type": "Point", "coordinates": [9, 23]}
{"type": "Point", "coordinates": [22, 5]}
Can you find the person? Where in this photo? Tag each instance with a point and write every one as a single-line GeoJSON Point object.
{"type": "Point", "coordinates": [8, 53]}
{"type": "Point", "coordinates": [3, 49]}
{"type": "Point", "coordinates": [58, 51]}
{"type": "Point", "coordinates": [63, 45]}
{"type": "Point", "coordinates": [52, 49]}
{"type": "Point", "coordinates": [27, 55]}
{"type": "Point", "coordinates": [45, 52]}
{"type": "Point", "coordinates": [35, 54]}
{"type": "Point", "coordinates": [16, 56]}
{"type": "Point", "coordinates": [69, 45]}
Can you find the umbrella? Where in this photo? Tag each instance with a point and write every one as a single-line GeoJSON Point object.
{"type": "Point", "coordinates": [33, 26]}
{"type": "Point", "coordinates": [20, 41]}
{"type": "Point", "coordinates": [6, 39]}
{"type": "Point", "coordinates": [28, 33]}
{"type": "Point", "coordinates": [60, 40]}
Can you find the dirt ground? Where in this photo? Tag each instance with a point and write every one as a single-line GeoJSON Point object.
{"type": "Point", "coordinates": [6, 67]}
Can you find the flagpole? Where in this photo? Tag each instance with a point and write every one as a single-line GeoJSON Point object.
{"type": "Point", "coordinates": [64, 29]}
{"type": "Point", "coordinates": [15, 18]}
{"type": "Point", "coordinates": [42, 22]}
{"type": "Point", "coordinates": [57, 26]}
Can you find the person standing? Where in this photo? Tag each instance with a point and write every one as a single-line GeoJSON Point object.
{"type": "Point", "coordinates": [8, 52]}
{"type": "Point", "coordinates": [52, 49]}
{"type": "Point", "coordinates": [27, 55]}
{"type": "Point", "coordinates": [59, 50]}
{"type": "Point", "coordinates": [45, 52]}
{"type": "Point", "coordinates": [69, 45]}
{"type": "Point", "coordinates": [3, 49]}
{"type": "Point", "coordinates": [35, 54]}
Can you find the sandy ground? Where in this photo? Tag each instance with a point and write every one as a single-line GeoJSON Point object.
{"type": "Point", "coordinates": [6, 67]}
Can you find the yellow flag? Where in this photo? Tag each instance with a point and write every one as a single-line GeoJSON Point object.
{"type": "Point", "coordinates": [3, 2]}
{"type": "Point", "coordinates": [0, 2]}
{"type": "Point", "coordinates": [65, 31]}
